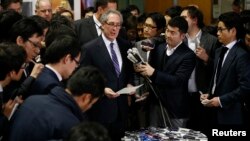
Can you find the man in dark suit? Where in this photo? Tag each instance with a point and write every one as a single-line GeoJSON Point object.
{"type": "Point", "coordinates": [172, 65]}
{"type": "Point", "coordinates": [108, 53]}
{"type": "Point", "coordinates": [230, 81]}
{"type": "Point", "coordinates": [12, 57]}
{"type": "Point", "coordinates": [27, 34]}
{"type": "Point", "coordinates": [51, 116]}
{"type": "Point", "coordinates": [90, 28]}
{"type": "Point", "coordinates": [62, 57]}
{"type": "Point", "coordinates": [204, 45]}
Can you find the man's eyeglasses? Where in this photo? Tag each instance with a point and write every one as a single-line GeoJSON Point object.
{"type": "Point", "coordinates": [114, 25]}
{"type": "Point", "coordinates": [220, 29]}
{"type": "Point", "coordinates": [77, 62]}
{"type": "Point", "coordinates": [35, 44]}
{"type": "Point", "coordinates": [24, 65]}
{"type": "Point", "coordinates": [149, 26]}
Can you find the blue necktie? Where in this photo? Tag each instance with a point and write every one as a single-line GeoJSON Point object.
{"type": "Point", "coordinates": [115, 60]}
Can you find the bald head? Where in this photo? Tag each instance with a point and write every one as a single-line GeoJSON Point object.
{"type": "Point", "coordinates": [44, 9]}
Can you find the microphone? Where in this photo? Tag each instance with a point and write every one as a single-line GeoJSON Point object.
{"type": "Point", "coordinates": [135, 57]}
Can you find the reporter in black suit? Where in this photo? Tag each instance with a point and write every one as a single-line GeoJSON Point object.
{"type": "Point", "coordinates": [170, 68]}
{"type": "Point", "coordinates": [12, 57]}
{"type": "Point", "coordinates": [90, 28]}
{"type": "Point", "coordinates": [230, 85]}
{"type": "Point", "coordinates": [111, 110]}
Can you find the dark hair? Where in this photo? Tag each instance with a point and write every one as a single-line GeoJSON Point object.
{"type": "Point", "coordinates": [58, 18]}
{"type": "Point", "coordinates": [180, 23]}
{"type": "Point", "coordinates": [236, 3]}
{"type": "Point", "coordinates": [60, 47]}
{"type": "Point", "coordinates": [6, 3]}
{"type": "Point", "coordinates": [194, 12]}
{"type": "Point", "coordinates": [174, 11]}
{"type": "Point", "coordinates": [42, 22]}
{"type": "Point", "coordinates": [56, 29]}
{"type": "Point", "coordinates": [88, 131]}
{"type": "Point", "coordinates": [103, 3]}
{"type": "Point", "coordinates": [158, 19]}
{"type": "Point", "coordinates": [233, 20]}
{"type": "Point", "coordinates": [247, 28]}
{"type": "Point", "coordinates": [133, 7]}
{"type": "Point", "coordinates": [25, 28]}
{"type": "Point", "coordinates": [87, 80]}
{"type": "Point", "coordinates": [245, 16]}
{"type": "Point", "coordinates": [61, 11]}
{"type": "Point", "coordinates": [142, 18]}
{"type": "Point", "coordinates": [7, 19]}
{"type": "Point", "coordinates": [12, 57]}
{"type": "Point", "coordinates": [87, 10]}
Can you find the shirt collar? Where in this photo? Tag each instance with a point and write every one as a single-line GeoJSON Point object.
{"type": "Point", "coordinates": [170, 50]}
{"type": "Point", "coordinates": [197, 36]}
{"type": "Point", "coordinates": [230, 45]}
{"type": "Point", "coordinates": [107, 41]}
{"type": "Point", "coordinates": [97, 23]}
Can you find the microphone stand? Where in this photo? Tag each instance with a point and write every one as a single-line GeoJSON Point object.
{"type": "Point", "coordinates": [163, 110]}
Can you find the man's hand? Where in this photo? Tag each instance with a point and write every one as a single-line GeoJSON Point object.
{"type": "Point", "coordinates": [110, 93]}
{"type": "Point", "coordinates": [146, 69]}
{"type": "Point", "coordinates": [214, 102]}
{"type": "Point", "coordinates": [202, 54]}
{"type": "Point", "coordinates": [8, 107]}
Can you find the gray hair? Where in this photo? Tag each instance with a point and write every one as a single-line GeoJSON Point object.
{"type": "Point", "coordinates": [38, 2]}
{"type": "Point", "coordinates": [104, 17]}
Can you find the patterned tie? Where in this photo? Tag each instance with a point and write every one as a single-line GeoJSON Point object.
{"type": "Point", "coordinates": [219, 66]}
{"type": "Point", "coordinates": [115, 60]}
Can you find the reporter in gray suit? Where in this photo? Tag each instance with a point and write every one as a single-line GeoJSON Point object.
{"type": "Point", "coordinates": [170, 68]}
{"type": "Point", "coordinates": [204, 45]}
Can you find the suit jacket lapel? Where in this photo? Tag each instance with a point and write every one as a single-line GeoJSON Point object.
{"type": "Point", "coordinates": [105, 54]}
{"type": "Point", "coordinates": [92, 27]}
{"type": "Point", "coordinates": [228, 61]}
{"type": "Point", "coordinates": [174, 57]}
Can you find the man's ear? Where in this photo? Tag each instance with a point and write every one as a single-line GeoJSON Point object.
{"type": "Point", "coordinates": [19, 41]}
{"type": "Point", "coordinates": [67, 59]}
{"type": "Point", "coordinates": [85, 101]}
{"type": "Point", "coordinates": [86, 98]}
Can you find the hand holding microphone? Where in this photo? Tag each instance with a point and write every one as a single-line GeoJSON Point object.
{"type": "Point", "coordinates": [134, 56]}
{"type": "Point", "coordinates": [140, 66]}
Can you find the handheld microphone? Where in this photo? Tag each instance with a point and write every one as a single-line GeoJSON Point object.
{"type": "Point", "coordinates": [135, 57]}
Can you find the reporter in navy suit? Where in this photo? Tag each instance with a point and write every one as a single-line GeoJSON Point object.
{"type": "Point", "coordinates": [62, 57]}
{"type": "Point", "coordinates": [231, 84]}
{"type": "Point", "coordinates": [170, 68]}
{"type": "Point", "coordinates": [111, 110]}
{"type": "Point", "coordinates": [51, 116]}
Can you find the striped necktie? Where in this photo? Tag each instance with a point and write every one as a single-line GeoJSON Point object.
{"type": "Point", "coordinates": [115, 60]}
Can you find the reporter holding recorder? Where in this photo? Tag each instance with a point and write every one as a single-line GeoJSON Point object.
{"type": "Point", "coordinates": [169, 69]}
